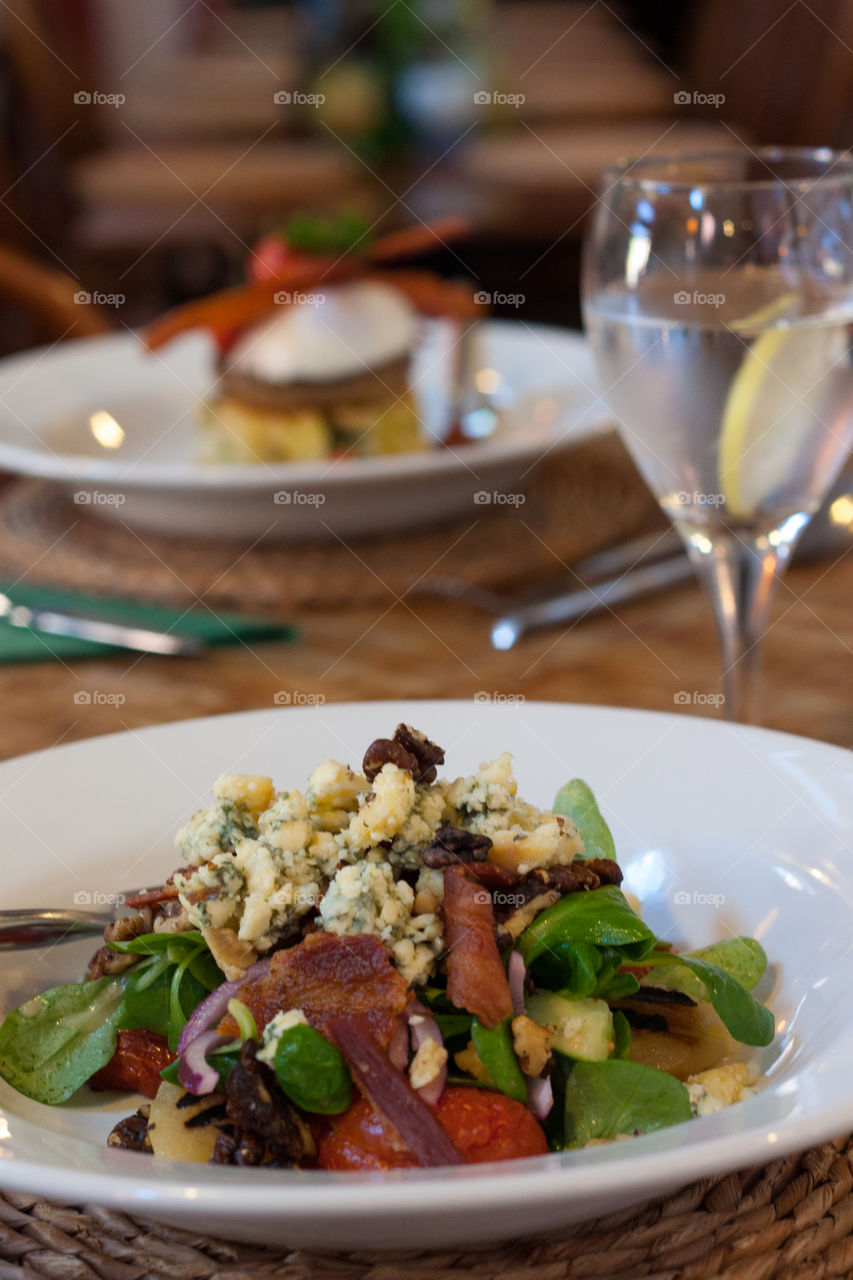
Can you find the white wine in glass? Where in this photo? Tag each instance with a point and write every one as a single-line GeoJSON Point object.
{"type": "Point", "coordinates": [718, 297]}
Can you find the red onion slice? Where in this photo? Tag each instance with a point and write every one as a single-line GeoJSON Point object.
{"type": "Point", "coordinates": [398, 1049]}
{"type": "Point", "coordinates": [195, 1073]}
{"type": "Point", "coordinates": [214, 1007]}
{"type": "Point", "coordinates": [540, 1096]}
{"type": "Point", "coordinates": [392, 1096]}
{"type": "Point", "coordinates": [517, 973]}
{"type": "Point", "coordinates": [424, 1027]}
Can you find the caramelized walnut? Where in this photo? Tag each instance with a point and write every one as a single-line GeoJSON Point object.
{"type": "Point", "coordinates": [453, 844]}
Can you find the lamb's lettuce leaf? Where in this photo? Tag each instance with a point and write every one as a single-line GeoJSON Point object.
{"type": "Point", "coordinates": [56, 1041]}
{"type": "Point", "coordinates": [608, 1099]}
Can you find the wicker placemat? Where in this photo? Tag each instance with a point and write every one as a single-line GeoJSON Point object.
{"type": "Point", "coordinates": [790, 1220]}
{"type": "Point", "coordinates": [578, 500]}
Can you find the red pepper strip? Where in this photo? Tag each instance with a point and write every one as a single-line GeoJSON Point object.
{"type": "Point", "coordinates": [393, 1097]}
{"type": "Point", "coordinates": [420, 239]}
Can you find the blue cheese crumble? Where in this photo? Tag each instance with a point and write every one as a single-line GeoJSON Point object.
{"type": "Point", "coordinates": [720, 1087]}
{"type": "Point", "coordinates": [259, 861]}
{"type": "Point", "coordinates": [365, 898]}
{"type": "Point", "coordinates": [275, 1029]}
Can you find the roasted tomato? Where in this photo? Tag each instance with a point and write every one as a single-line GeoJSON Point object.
{"type": "Point", "coordinates": [360, 1139]}
{"type": "Point", "coordinates": [135, 1066]}
{"type": "Point", "coordinates": [482, 1124]}
{"type": "Point", "coordinates": [490, 1126]}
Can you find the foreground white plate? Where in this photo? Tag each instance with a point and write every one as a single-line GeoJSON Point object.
{"type": "Point", "coordinates": [720, 830]}
{"type": "Point", "coordinates": [542, 378]}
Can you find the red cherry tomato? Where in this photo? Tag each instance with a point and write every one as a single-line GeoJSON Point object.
{"type": "Point", "coordinates": [136, 1064]}
{"type": "Point", "coordinates": [483, 1125]}
{"type": "Point", "coordinates": [273, 257]}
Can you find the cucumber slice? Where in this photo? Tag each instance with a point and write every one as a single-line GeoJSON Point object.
{"type": "Point", "coordinates": [582, 1028]}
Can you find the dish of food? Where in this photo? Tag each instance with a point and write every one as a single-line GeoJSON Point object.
{"type": "Point", "coordinates": [386, 959]}
{"type": "Point", "coordinates": [117, 428]}
{"type": "Point", "coordinates": [388, 969]}
{"type": "Point", "coordinates": [316, 350]}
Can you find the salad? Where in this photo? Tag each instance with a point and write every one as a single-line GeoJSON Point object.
{"type": "Point", "coordinates": [393, 970]}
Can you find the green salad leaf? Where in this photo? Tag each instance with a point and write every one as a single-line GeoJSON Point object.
{"type": "Point", "coordinates": [162, 990]}
{"type": "Point", "coordinates": [56, 1041]}
{"type": "Point", "coordinates": [721, 973]}
{"type": "Point", "coordinates": [746, 1019]}
{"type": "Point", "coordinates": [576, 801]}
{"type": "Point", "coordinates": [602, 917]}
{"type": "Point", "coordinates": [312, 1072]}
{"type": "Point", "coordinates": [607, 1099]}
{"type": "Point", "coordinates": [498, 1057]}
{"type": "Point", "coordinates": [741, 958]}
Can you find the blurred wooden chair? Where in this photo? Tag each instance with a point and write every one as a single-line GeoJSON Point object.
{"type": "Point", "coordinates": [41, 305]}
{"type": "Point", "coordinates": [786, 69]}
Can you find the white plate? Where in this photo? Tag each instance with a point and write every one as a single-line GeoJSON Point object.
{"type": "Point", "coordinates": [702, 813]}
{"type": "Point", "coordinates": [544, 380]}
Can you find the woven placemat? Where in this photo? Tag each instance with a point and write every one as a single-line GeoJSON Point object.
{"type": "Point", "coordinates": [790, 1220]}
{"type": "Point", "coordinates": [578, 500]}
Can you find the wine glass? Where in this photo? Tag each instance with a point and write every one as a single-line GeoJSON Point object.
{"type": "Point", "coordinates": [718, 297]}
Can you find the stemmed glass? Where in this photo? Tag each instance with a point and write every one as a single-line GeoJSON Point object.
{"type": "Point", "coordinates": [718, 297]}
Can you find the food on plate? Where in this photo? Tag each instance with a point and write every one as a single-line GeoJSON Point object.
{"type": "Point", "coordinates": [315, 352]}
{"type": "Point", "coordinates": [390, 969]}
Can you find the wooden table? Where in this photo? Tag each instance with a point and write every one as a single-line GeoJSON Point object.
{"type": "Point", "coordinates": [643, 656]}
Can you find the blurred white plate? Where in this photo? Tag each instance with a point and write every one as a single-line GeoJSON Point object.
{"type": "Point", "coordinates": [720, 830]}
{"type": "Point", "coordinates": [543, 378]}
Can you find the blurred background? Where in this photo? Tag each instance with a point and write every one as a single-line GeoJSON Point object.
{"type": "Point", "coordinates": [145, 146]}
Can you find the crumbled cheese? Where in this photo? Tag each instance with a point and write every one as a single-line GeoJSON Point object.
{"type": "Point", "coordinates": [554, 841]}
{"type": "Point", "coordinates": [270, 879]}
{"type": "Point", "coordinates": [247, 790]}
{"type": "Point", "coordinates": [720, 1087]}
{"type": "Point", "coordinates": [364, 898]}
{"type": "Point", "coordinates": [426, 816]}
{"type": "Point", "coordinates": [487, 801]}
{"type": "Point", "coordinates": [333, 795]}
{"type": "Point", "coordinates": [382, 814]}
{"type": "Point", "coordinates": [275, 1029]}
{"type": "Point", "coordinates": [430, 1059]}
{"type": "Point", "coordinates": [214, 830]}
{"type": "Point", "coordinates": [493, 786]}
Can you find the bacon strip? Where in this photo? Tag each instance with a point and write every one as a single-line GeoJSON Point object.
{"type": "Point", "coordinates": [150, 897]}
{"type": "Point", "coordinates": [326, 977]}
{"type": "Point", "coordinates": [476, 980]}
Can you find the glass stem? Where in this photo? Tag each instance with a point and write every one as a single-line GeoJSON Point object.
{"type": "Point", "coordinates": [739, 573]}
